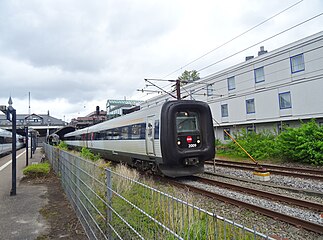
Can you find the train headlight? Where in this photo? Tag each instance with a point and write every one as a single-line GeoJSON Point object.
{"type": "Point", "coordinates": [198, 141]}
{"type": "Point", "coordinates": [178, 142]}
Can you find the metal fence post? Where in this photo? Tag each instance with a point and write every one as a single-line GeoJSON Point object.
{"type": "Point", "coordinates": [109, 201]}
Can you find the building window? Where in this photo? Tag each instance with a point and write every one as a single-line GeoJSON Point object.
{"type": "Point", "coordinates": [297, 63]}
{"type": "Point", "coordinates": [250, 105]}
{"type": "Point", "coordinates": [259, 75]}
{"type": "Point", "coordinates": [285, 100]}
{"type": "Point", "coordinates": [231, 83]}
{"type": "Point", "coordinates": [225, 135]}
{"type": "Point", "coordinates": [224, 110]}
{"type": "Point", "coordinates": [251, 129]}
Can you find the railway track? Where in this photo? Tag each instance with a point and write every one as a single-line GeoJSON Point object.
{"type": "Point", "coordinates": [274, 169]}
{"type": "Point", "coordinates": [263, 194]}
{"type": "Point", "coordinates": [318, 228]}
{"type": "Point", "coordinates": [291, 189]}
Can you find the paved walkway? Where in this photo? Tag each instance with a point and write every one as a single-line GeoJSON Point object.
{"type": "Point", "coordinates": [19, 214]}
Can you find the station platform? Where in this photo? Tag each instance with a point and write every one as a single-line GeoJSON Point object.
{"type": "Point", "coordinates": [20, 216]}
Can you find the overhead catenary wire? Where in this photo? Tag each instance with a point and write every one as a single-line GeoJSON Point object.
{"type": "Point", "coordinates": [234, 38]}
{"type": "Point", "coordinates": [223, 76]}
{"type": "Point", "coordinates": [262, 41]}
{"type": "Point", "coordinates": [253, 45]}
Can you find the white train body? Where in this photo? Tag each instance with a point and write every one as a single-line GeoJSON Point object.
{"type": "Point", "coordinates": [6, 141]}
{"type": "Point", "coordinates": [151, 138]}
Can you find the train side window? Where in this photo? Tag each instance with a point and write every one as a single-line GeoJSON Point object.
{"type": "Point", "coordinates": [150, 130]}
{"type": "Point", "coordinates": [157, 129]}
{"type": "Point", "coordinates": [143, 131]}
{"type": "Point", "coordinates": [108, 135]}
{"type": "Point", "coordinates": [89, 136]}
{"type": "Point", "coordinates": [99, 135]}
{"type": "Point", "coordinates": [1, 140]}
{"type": "Point", "coordinates": [124, 133]}
{"type": "Point", "coordinates": [115, 133]}
{"type": "Point", "coordinates": [7, 140]}
{"type": "Point", "coordinates": [135, 131]}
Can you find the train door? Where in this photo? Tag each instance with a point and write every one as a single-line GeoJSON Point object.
{"type": "Point", "coordinates": [150, 132]}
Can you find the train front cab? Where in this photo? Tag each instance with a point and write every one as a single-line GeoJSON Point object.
{"type": "Point", "coordinates": [187, 137]}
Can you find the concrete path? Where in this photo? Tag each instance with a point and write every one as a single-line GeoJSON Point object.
{"type": "Point", "coordinates": [19, 215]}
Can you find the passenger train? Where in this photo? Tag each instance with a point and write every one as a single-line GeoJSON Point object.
{"type": "Point", "coordinates": [6, 141]}
{"type": "Point", "coordinates": [173, 138]}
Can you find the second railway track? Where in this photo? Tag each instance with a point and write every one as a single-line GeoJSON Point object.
{"type": "Point", "coordinates": [264, 194]}
{"type": "Point", "coordinates": [274, 169]}
{"type": "Point", "coordinates": [309, 225]}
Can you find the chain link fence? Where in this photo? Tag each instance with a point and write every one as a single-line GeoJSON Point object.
{"type": "Point", "coordinates": [111, 205]}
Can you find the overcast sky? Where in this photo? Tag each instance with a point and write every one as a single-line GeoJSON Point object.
{"type": "Point", "coordinates": [72, 55]}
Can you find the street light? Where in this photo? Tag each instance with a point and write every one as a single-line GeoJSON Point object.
{"type": "Point", "coordinates": [11, 111]}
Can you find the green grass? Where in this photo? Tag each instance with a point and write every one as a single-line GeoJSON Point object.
{"type": "Point", "coordinates": [37, 170]}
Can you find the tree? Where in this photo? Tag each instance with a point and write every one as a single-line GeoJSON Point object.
{"type": "Point", "coordinates": [189, 76]}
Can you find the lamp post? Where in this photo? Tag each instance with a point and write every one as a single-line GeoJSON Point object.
{"type": "Point", "coordinates": [31, 143]}
{"type": "Point", "coordinates": [26, 132]}
{"type": "Point", "coordinates": [11, 111]}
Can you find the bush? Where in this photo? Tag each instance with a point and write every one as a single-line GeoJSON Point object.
{"type": "Point", "coordinates": [62, 145]}
{"type": "Point", "coordinates": [87, 154]}
{"type": "Point", "coordinates": [36, 170]}
{"type": "Point", "coordinates": [303, 144]}
{"type": "Point", "coordinates": [258, 145]}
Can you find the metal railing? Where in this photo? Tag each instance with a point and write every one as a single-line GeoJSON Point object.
{"type": "Point", "coordinates": [113, 206]}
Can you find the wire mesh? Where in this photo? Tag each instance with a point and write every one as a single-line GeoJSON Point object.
{"type": "Point", "coordinates": [110, 205]}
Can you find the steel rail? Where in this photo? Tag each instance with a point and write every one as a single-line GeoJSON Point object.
{"type": "Point", "coordinates": [278, 172]}
{"type": "Point", "coordinates": [267, 184]}
{"type": "Point", "coordinates": [276, 215]}
{"type": "Point", "coordinates": [272, 166]}
{"type": "Point", "coordinates": [273, 196]}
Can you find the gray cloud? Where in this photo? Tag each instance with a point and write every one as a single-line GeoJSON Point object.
{"type": "Point", "coordinates": [77, 37]}
{"type": "Point", "coordinates": [81, 51]}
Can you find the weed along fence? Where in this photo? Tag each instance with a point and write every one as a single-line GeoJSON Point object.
{"type": "Point", "coordinates": [111, 205]}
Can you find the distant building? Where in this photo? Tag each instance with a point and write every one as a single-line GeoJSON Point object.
{"type": "Point", "coordinates": [43, 124]}
{"type": "Point", "coordinates": [116, 108]}
{"type": "Point", "coordinates": [90, 119]}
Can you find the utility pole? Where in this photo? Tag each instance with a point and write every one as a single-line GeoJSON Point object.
{"type": "Point", "coordinates": [178, 89]}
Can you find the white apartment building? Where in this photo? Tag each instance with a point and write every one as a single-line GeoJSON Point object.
{"type": "Point", "coordinates": [276, 88]}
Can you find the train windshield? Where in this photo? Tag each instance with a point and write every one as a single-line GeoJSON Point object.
{"type": "Point", "coordinates": [187, 122]}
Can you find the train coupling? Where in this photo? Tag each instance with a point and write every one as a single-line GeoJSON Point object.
{"type": "Point", "coordinates": [191, 161]}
